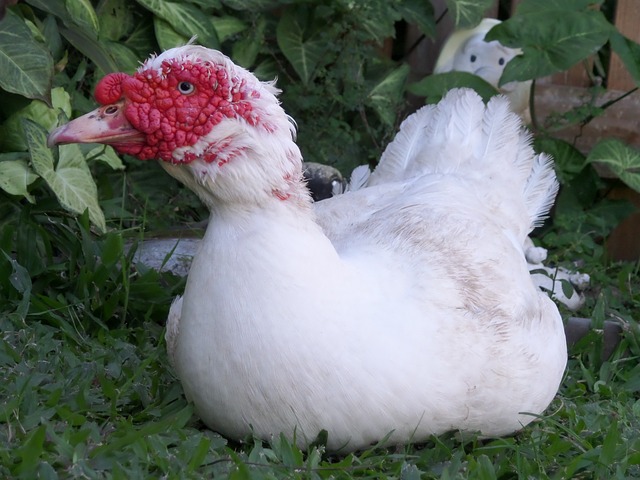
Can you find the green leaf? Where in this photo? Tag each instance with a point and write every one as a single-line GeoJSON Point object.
{"type": "Point", "coordinates": [30, 451]}
{"type": "Point", "coordinates": [111, 251]}
{"type": "Point", "coordinates": [534, 6]}
{"type": "Point", "coordinates": [420, 13]}
{"type": "Point", "coordinates": [629, 53]}
{"type": "Point", "coordinates": [126, 59]}
{"type": "Point", "coordinates": [20, 278]}
{"type": "Point", "coordinates": [166, 35]}
{"type": "Point", "coordinates": [622, 159]}
{"type": "Point", "coordinates": [384, 95]}
{"type": "Point", "coordinates": [71, 181]}
{"type": "Point", "coordinates": [185, 19]}
{"type": "Point", "coordinates": [207, 5]}
{"type": "Point", "coordinates": [11, 133]}
{"type": "Point", "coordinates": [304, 54]}
{"type": "Point", "coordinates": [116, 19]}
{"type": "Point", "coordinates": [227, 26]}
{"type": "Point", "coordinates": [252, 5]}
{"type": "Point", "coordinates": [125, 437]}
{"type": "Point", "coordinates": [106, 154]}
{"type": "Point", "coordinates": [142, 39]}
{"type": "Point", "coordinates": [610, 444]}
{"type": "Point", "coordinates": [245, 50]}
{"type": "Point", "coordinates": [567, 159]}
{"type": "Point", "coordinates": [26, 65]}
{"type": "Point", "coordinates": [15, 177]}
{"type": "Point", "coordinates": [83, 15]}
{"type": "Point", "coordinates": [91, 48]}
{"type": "Point", "coordinates": [551, 41]}
{"type": "Point", "coordinates": [21, 281]}
{"type": "Point", "coordinates": [377, 19]}
{"type": "Point", "coordinates": [468, 13]}
{"type": "Point", "coordinates": [434, 87]}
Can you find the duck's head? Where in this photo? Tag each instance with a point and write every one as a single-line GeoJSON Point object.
{"type": "Point", "coordinates": [212, 124]}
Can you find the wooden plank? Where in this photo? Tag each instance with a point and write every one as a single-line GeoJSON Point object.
{"type": "Point", "coordinates": [624, 241]}
{"type": "Point", "coordinates": [576, 76]}
{"type": "Point", "coordinates": [627, 19]}
{"type": "Point", "coordinates": [618, 121]}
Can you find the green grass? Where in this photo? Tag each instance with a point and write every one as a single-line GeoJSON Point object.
{"type": "Point", "coordinates": [86, 390]}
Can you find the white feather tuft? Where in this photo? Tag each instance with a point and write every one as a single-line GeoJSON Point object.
{"type": "Point", "coordinates": [404, 149]}
{"type": "Point", "coordinates": [359, 178]}
{"type": "Point", "coordinates": [541, 189]}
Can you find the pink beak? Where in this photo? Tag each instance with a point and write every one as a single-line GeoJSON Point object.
{"type": "Point", "coordinates": [107, 124]}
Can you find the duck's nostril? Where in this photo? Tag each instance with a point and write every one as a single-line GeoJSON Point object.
{"type": "Point", "coordinates": [110, 110]}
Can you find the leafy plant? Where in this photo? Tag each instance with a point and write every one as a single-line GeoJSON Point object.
{"type": "Point", "coordinates": [86, 390]}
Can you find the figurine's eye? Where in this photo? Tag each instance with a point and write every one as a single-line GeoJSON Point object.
{"type": "Point", "coordinates": [186, 88]}
{"type": "Point", "coordinates": [473, 58]}
{"type": "Point", "coordinates": [501, 61]}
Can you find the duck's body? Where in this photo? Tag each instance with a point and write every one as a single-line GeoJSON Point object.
{"type": "Point", "coordinates": [374, 339]}
{"type": "Point", "coordinates": [354, 315]}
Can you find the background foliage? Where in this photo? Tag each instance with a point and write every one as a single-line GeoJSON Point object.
{"type": "Point", "coordinates": [86, 390]}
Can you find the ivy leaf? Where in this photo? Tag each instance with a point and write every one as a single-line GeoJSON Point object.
{"type": "Point", "coordinates": [551, 41]}
{"type": "Point", "coordinates": [385, 94]}
{"type": "Point", "coordinates": [227, 26]}
{"type": "Point", "coordinates": [533, 6]}
{"type": "Point", "coordinates": [434, 87]}
{"type": "Point", "coordinates": [185, 19]}
{"type": "Point", "coordinates": [567, 159]}
{"type": "Point", "coordinates": [468, 13]}
{"type": "Point", "coordinates": [420, 13]}
{"type": "Point", "coordinates": [21, 281]}
{"type": "Point", "coordinates": [91, 48]}
{"type": "Point", "coordinates": [622, 159]}
{"type": "Point", "coordinates": [15, 177]}
{"type": "Point", "coordinates": [166, 35]}
{"type": "Point", "coordinates": [106, 154]}
{"type": "Point", "coordinates": [84, 16]}
{"type": "Point", "coordinates": [629, 53]}
{"type": "Point", "coordinates": [26, 65]}
{"type": "Point", "coordinates": [245, 50]}
{"type": "Point", "coordinates": [116, 19]}
{"type": "Point", "coordinates": [303, 54]}
{"type": "Point", "coordinates": [252, 5]}
{"type": "Point", "coordinates": [11, 133]}
{"type": "Point", "coordinates": [71, 180]}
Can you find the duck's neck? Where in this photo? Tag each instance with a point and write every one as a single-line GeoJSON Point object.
{"type": "Point", "coordinates": [260, 254]}
{"type": "Point", "coordinates": [240, 168]}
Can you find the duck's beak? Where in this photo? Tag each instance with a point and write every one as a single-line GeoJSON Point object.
{"type": "Point", "coordinates": [107, 124]}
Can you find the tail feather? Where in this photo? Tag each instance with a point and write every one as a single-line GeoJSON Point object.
{"type": "Point", "coordinates": [540, 190]}
{"type": "Point", "coordinates": [359, 178]}
{"type": "Point", "coordinates": [404, 149]}
{"type": "Point", "coordinates": [488, 144]}
{"type": "Point", "coordinates": [501, 135]}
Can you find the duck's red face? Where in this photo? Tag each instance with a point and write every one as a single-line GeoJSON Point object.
{"type": "Point", "coordinates": [162, 109]}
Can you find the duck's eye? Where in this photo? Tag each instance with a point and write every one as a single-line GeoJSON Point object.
{"type": "Point", "coordinates": [473, 58]}
{"type": "Point", "coordinates": [186, 88]}
{"type": "Point", "coordinates": [110, 110]}
{"type": "Point", "coordinates": [501, 61]}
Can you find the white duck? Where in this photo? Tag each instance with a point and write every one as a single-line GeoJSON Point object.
{"type": "Point", "coordinates": [352, 315]}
